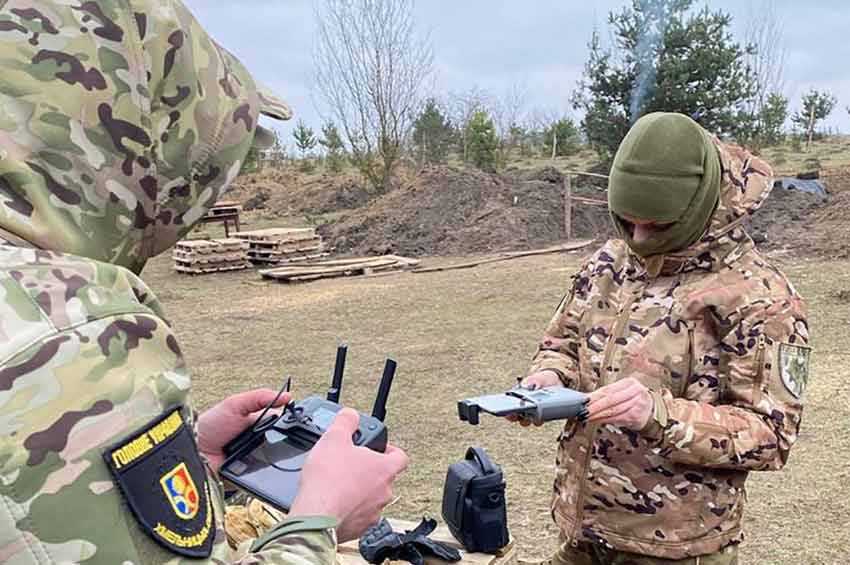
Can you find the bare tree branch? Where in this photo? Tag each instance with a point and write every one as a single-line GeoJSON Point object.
{"type": "Point", "coordinates": [371, 70]}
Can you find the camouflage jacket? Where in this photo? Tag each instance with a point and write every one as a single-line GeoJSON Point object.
{"type": "Point", "coordinates": [721, 337]}
{"type": "Point", "coordinates": [121, 122]}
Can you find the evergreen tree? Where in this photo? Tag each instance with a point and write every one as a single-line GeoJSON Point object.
{"type": "Point", "coordinates": [817, 106]}
{"type": "Point", "coordinates": [665, 58]}
{"type": "Point", "coordinates": [305, 139]}
{"type": "Point", "coordinates": [433, 134]}
{"type": "Point", "coordinates": [483, 141]}
{"type": "Point", "coordinates": [563, 137]}
{"type": "Point", "coordinates": [332, 142]}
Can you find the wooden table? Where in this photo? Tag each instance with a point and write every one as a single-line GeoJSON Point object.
{"type": "Point", "coordinates": [226, 212]}
{"type": "Point", "coordinates": [349, 553]}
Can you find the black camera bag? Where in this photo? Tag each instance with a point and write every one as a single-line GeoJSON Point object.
{"type": "Point", "coordinates": [474, 503]}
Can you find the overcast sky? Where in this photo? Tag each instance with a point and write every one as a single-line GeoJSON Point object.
{"type": "Point", "coordinates": [493, 44]}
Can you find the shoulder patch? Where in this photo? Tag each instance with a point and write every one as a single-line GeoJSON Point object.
{"type": "Point", "coordinates": [160, 474]}
{"type": "Point", "coordinates": [794, 368]}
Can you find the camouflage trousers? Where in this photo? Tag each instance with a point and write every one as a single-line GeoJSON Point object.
{"type": "Point", "coordinates": [590, 554]}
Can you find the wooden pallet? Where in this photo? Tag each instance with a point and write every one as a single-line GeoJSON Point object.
{"type": "Point", "coordinates": [277, 234]}
{"type": "Point", "coordinates": [288, 245]}
{"type": "Point", "coordinates": [285, 260]}
{"type": "Point", "coordinates": [204, 246]}
{"type": "Point", "coordinates": [188, 257]}
{"type": "Point", "coordinates": [212, 268]}
{"type": "Point", "coordinates": [202, 256]}
{"type": "Point", "coordinates": [339, 268]}
{"type": "Point", "coordinates": [349, 553]}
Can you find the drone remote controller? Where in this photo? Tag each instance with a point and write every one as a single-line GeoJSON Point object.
{"type": "Point", "coordinates": [266, 459]}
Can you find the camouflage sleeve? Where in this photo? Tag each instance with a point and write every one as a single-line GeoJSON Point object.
{"type": "Point", "coordinates": [296, 541]}
{"type": "Point", "coordinates": [764, 363]}
{"type": "Point", "coordinates": [558, 349]}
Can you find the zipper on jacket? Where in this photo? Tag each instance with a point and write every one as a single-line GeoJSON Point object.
{"type": "Point", "coordinates": [619, 326]}
{"type": "Point", "coordinates": [686, 378]}
{"type": "Point", "coordinates": [762, 343]}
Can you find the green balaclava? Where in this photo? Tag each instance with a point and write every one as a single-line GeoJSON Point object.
{"type": "Point", "coordinates": [666, 170]}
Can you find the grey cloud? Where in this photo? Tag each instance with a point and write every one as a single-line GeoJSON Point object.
{"type": "Point", "coordinates": [541, 44]}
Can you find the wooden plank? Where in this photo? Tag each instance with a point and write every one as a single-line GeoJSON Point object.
{"type": "Point", "coordinates": [572, 246]}
{"type": "Point", "coordinates": [592, 201]}
{"type": "Point", "coordinates": [319, 268]}
{"type": "Point", "coordinates": [207, 270]}
{"type": "Point", "coordinates": [303, 245]}
{"type": "Point", "coordinates": [276, 234]}
{"type": "Point", "coordinates": [216, 258]}
{"type": "Point", "coordinates": [338, 268]}
{"type": "Point", "coordinates": [226, 203]}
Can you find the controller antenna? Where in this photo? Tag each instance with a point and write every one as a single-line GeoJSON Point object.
{"type": "Point", "coordinates": [339, 368]}
{"type": "Point", "coordinates": [379, 411]}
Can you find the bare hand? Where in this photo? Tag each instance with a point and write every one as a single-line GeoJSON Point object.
{"type": "Point", "coordinates": [625, 403]}
{"type": "Point", "coordinates": [348, 482]}
{"type": "Point", "coordinates": [229, 418]}
{"type": "Point", "coordinates": [540, 379]}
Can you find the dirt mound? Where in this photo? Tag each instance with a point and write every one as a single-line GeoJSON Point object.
{"type": "Point", "coordinates": [783, 218]}
{"type": "Point", "coordinates": [828, 233]}
{"type": "Point", "coordinates": [836, 180]}
{"type": "Point", "coordinates": [456, 211]}
{"type": "Point", "coordinates": [451, 211]}
{"type": "Point", "coordinates": [804, 223]}
{"type": "Point", "coordinates": [288, 192]}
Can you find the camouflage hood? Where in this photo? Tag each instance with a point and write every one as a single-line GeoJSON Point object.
{"type": "Point", "coordinates": [746, 183]}
{"type": "Point", "coordinates": [121, 122]}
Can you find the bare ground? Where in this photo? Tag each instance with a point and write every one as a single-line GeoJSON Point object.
{"type": "Point", "coordinates": [459, 333]}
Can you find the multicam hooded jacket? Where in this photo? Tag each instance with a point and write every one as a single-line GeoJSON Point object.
{"type": "Point", "coordinates": [121, 122]}
{"type": "Point", "coordinates": [721, 338]}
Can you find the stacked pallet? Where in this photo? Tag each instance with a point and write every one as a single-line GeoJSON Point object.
{"type": "Point", "coordinates": [339, 268]}
{"type": "Point", "coordinates": [200, 256]}
{"type": "Point", "coordinates": [275, 246]}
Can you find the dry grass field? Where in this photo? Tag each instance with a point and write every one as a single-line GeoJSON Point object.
{"type": "Point", "coordinates": [466, 332]}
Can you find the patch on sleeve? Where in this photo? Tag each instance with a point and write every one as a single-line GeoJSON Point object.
{"type": "Point", "coordinates": [794, 368]}
{"type": "Point", "coordinates": [160, 473]}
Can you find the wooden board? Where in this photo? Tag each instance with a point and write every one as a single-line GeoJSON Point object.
{"type": "Point", "coordinates": [224, 211]}
{"type": "Point", "coordinates": [338, 268]}
{"type": "Point", "coordinates": [277, 234]}
{"type": "Point", "coordinates": [202, 270]}
{"type": "Point", "coordinates": [349, 553]}
{"type": "Point", "coordinates": [208, 258]}
{"type": "Point", "coordinates": [210, 245]}
{"type": "Point", "coordinates": [284, 260]}
{"type": "Point", "coordinates": [571, 246]}
{"type": "Point", "coordinates": [287, 246]}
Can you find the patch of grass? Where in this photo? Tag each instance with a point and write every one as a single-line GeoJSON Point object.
{"type": "Point", "coordinates": [466, 332]}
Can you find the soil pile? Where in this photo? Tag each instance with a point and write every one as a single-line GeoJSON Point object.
{"type": "Point", "coordinates": [783, 218]}
{"type": "Point", "coordinates": [287, 192]}
{"type": "Point", "coordinates": [455, 211]}
{"type": "Point", "coordinates": [451, 211]}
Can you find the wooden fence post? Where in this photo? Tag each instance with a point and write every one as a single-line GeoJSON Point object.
{"type": "Point", "coordinates": [568, 207]}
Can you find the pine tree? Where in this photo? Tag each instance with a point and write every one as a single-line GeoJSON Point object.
{"type": "Point", "coordinates": [483, 141]}
{"type": "Point", "coordinates": [305, 139]}
{"type": "Point", "coordinates": [332, 142]}
{"type": "Point", "coordinates": [561, 138]}
{"type": "Point", "coordinates": [817, 106]}
{"type": "Point", "coordinates": [433, 134]}
{"type": "Point", "coordinates": [665, 58]}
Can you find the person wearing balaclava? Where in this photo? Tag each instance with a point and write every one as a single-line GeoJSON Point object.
{"type": "Point", "coordinates": [692, 348]}
{"type": "Point", "coordinates": [121, 123]}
